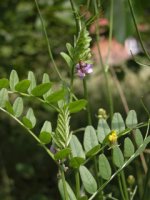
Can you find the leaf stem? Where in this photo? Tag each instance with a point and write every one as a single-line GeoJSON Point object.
{"type": "Point", "coordinates": [30, 132]}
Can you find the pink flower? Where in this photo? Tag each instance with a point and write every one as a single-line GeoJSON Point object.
{"type": "Point", "coordinates": [83, 69]}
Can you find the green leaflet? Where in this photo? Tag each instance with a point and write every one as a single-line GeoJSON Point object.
{"type": "Point", "coordinates": [76, 106]}
{"type": "Point", "coordinates": [71, 194]}
{"type": "Point", "coordinates": [128, 148]}
{"type": "Point", "coordinates": [118, 158]}
{"type": "Point", "coordinates": [13, 79]}
{"type": "Point", "coordinates": [29, 120]}
{"type": "Point", "coordinates": [67, 59]}
{"type": "Point", "coordinates": [4, 83]}
{"type": "Point", "coordinates": [90, 138]}
{"type": "Point", "coordinates": [76, 147]}
{"type": "Point", "coordinates": [75, 162]}
{"type": "Point", "coordinates": [102, 130]}
{"type": "Point", "coordinates": [56, 96]}
{"type": "Point", "coordinates": [104, 167]}
{"type": "Point", "coordinates": [62, 154]}
{"type": "Point", "coordinates": [45, 133]}
{"type": "Point", "coordinates": [22, 86]}
{"type": "Point", "coordinates": [117, 123]}
{"type": "Point", "coordinates": [3, 97]}
{"type": "Point", "coordinates": [88, 180]}
{"type": "Point", "coordinates": [70, 49]}
{"type": "Point", "coordinates": [138, 137]}
{"type": "Point", "coordinates": [32, 80]}
{"type": "Point", "coordinates": [131, 120]}
{"type": "Point", "coordinates": [18, 107]}
{"type": "Point", "coordinates": [41, 89]}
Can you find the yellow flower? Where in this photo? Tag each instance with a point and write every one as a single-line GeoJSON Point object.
{"type": "Point", "coordinates": [113, 137]}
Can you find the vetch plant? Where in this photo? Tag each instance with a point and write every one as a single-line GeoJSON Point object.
{"type": "Point", "coordinates": [105, 151]}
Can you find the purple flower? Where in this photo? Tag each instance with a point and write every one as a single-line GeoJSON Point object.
{"type": "Point", "coordinates": [53, 149]}
{"type": "Point", "coordinates": [83, 69]}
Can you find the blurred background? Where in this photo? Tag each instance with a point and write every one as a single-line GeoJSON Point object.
{"type": "Point", "coordinates": [26, 172]}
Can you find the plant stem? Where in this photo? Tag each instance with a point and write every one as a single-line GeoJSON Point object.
{"type": "Point", "coordinates": [77, 179]}
{"type": "Point", "coordinates": [64, 182]}
{"type": "Point", "coordinates": [47, 41]}
{"type": "Point", "coordinates": [30, 132]}
{"type": "Point", "coordinates": [76, 16]}
{"type": "Point", "coordinates": [100, 194]}
{"type": "Point", "coordinates": [124, 185]}
{"type": "Point", "coordinates": [86, 97]}
{"type": "Point", "coordinates": [135, 24]}
{"type": "Point", "coordinates": [104, 68]}
{"type": "Point", "coordinates": [120, 187]}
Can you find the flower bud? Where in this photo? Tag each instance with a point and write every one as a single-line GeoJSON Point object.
{"type": "Point", "coordinates": [131, 180]}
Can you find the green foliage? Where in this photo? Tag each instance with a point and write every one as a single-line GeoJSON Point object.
{"type": "Point", "coordinates": [45, 133]}
{"type": "Point", "coordinates": [90, 138]}
{"type": "Point", "coordinates": [76, 147]}
{"type": "Point", "coordinates": [128, 148]}
{"type": "Point", "coordinates": [117, 123]}
{"type": "Point", "coordinates": [88, 180]}
{"type": "Point", "coordinates": [138, 137]}
{"type": "Point", "coordinates": [41, 89]}
{"type": "Point", "coordinates": [56, 96]}
{"type": "Point", "coordinates": [4, 83]}
{"type": "Point", "coordinates": [18, 107]}
{"type": "Point", "coordinates": [13, 80]}
{"type": "Point", "coordinates": [62, 135]}
{"type": "Point", "coordinates": [62, 154]}
{"type": "Point", "coordinates": [131, 120]}
{"type": "Point", "coordinates": [118, 158]}
{"type": "Point", "coordinates": [29, 120]}
{"type": "Point", "coordinates": [77, 105]}
{"type": "Point", "coordinates": [3, 97]}
{"type": "Point", "coordinates": [31, 78]}
{"type": "Point", "coordinates": [102, 130]}
{"type": "Point", "coordinates": [69, 190]}
{"type": "Point", "coordinates": [104, 167]}
{"type": "Point", "coordinates": [22, 86]}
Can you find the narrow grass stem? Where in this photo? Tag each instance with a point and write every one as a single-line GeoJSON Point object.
{"type": "Point", "coordinates": [47, 41]}
{"type": "Point", "coordinates": [105, 71]}
{"type": "Point", "coordinates": [86, 97]}
{"type": "Point", "coordinates": [136, 27]}
{"type": "Point", "coordinates": [77, 179]}
{"type": "Point", "coordinates": [125, 189]}
{"type": "Point", "coordinates": [120, 187]}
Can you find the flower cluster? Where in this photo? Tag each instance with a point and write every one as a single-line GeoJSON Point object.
{"type": "Point", "coordinates": [83, 69]}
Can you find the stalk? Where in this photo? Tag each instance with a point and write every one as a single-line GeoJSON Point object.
{"type": "Point", "coordinates": [77, 179]}
{"type": "Point", "coordinates": [64, 182]}
{"type": "Point", "coordinates": [88, 105]}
